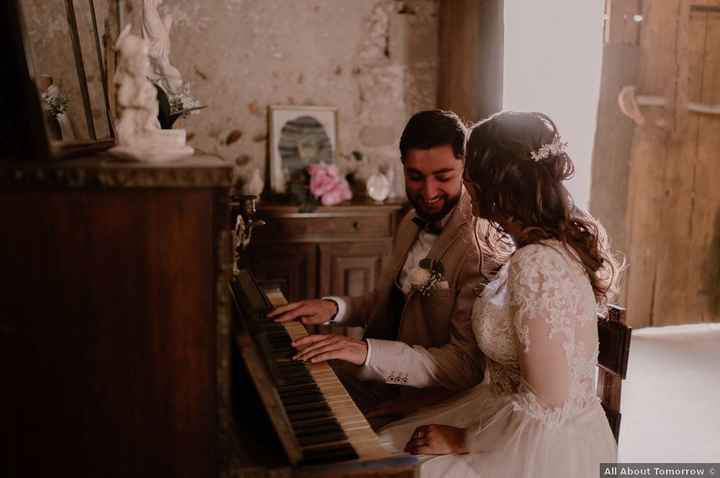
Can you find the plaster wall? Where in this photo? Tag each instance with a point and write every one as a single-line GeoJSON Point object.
{"type": "Point", "coordinates": [374, 60]}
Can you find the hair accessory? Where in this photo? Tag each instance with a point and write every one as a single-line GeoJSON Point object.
{"type": "Point", "coordinates": [549, 149]}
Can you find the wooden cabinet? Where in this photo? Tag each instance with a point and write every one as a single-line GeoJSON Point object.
{"type": "Point", "coordinates": [348, 268]}
{"type": "Point", "coordinates": [337, 250]}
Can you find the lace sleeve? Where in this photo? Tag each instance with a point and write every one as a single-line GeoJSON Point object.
{"type": "Point", "coordinates": [549, 298]}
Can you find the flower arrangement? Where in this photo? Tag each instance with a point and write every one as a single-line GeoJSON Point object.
{"type": "Point", "coordinates": [426, 276]}
{"type": "Point", "coordinates": [56, 103]}
{"type": "Point", "coordinates": [319, 183]}
{"type": "Point", "coordinates": [327, 185]}
{"type": "Point", "coordinates": [174, 106]}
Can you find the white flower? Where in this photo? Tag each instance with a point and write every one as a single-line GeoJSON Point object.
{"type": "Point", "coordinates": [549, 149]}
{"type": "Point", "coordinates": [55, 102]}
{"type": "Point", "coordinates": [419, 277]}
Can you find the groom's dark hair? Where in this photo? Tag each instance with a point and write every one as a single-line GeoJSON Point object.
{"type": "Point", "coordinates": [431, 128]}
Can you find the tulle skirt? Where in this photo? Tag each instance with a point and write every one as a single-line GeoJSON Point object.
{"type": "Point", "coordinates": [509, 442]}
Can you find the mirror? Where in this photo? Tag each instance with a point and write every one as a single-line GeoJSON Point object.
{"type": "Point", "coordinates": [65, 55]}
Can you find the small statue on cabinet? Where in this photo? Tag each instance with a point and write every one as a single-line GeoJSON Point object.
{"type": "Point", "coordinates": [156, 30]}
{"type": "Point", "coordinates": [139, 136]}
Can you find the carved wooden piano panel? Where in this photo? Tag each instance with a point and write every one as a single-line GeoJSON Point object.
{"type": "Point", "coordinates": [115, 291]}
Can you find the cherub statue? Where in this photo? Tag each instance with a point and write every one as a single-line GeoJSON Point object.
{"type": "Point", "coordinates": [156, 30]}
{"type": "Point", "coordinates": [139, 136]}
{"type": "Point", "coordinates": [135, 94]}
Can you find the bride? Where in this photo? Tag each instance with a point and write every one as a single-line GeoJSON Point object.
{"type": "Point", "coordinates": [538, 414]}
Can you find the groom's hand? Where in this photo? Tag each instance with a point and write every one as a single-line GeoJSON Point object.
{"type": "Point", "coordinates": [310, 312]}
{"type": "Point", "coordinates": [321, 348]}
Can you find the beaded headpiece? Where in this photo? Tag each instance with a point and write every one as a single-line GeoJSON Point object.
{"type": "Point", "coordinates": [549, 149]}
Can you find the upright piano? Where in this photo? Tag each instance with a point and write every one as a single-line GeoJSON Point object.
{"type": "Point", "coordinates": [292, 418]}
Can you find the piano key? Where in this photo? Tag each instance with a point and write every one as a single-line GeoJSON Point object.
{"type": "Point", "coordinates": [300, 387]}
{"type": "Point", "coordinates": [301, 398]}
{"type": "Point", "coordinates": [299, 416]}
{"type": "Point", "coordinates": [318, 429]}
{"type": "Point", "coordinates": [302, 407]}
{"type": "Point", "coordinates": [314, 421]}
{"type": "Point", "coordinates": [321, 438]}
{"type": "Point", "coordinates": [361, 440]}
{"type": "Point", "coordinates": [330, 454]}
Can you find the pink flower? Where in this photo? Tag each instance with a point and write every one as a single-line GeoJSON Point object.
{"type": "Point", "coordinates": [341, 192]}
{"type": "Point", "coordinates": [327, 185]}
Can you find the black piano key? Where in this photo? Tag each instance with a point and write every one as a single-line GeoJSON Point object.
{"type": "Point", "coordinates": [303, 392]}
{"type": "Point", "coordinates": [292, 371]}
{"type": "Point", "coordinates": [308, 387]}
{"type": "Point", "coordinates": [328, 454]}
{"type": "Point", "coordinates": [279, 342]}
{"type": "Point", "coordinates": [296, 380]}
{"type": "Point", "coordinates": [302, 407]}
{"type": "Point", "coordinates": [300, 416]}
{"type": "Point", "coordinates": [295, 377]}
{"type": "Point", "coordinates": [292, 365]}
{"type": "Point", "coordinates": [302, 431]}
{"type": "Point", "coordinates": [321, 438]}
{"type": "Point", "coordinates": [310, 422]}
{"type": "Point", "coordinates": [301, 398]}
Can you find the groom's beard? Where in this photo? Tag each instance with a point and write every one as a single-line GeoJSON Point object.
{"type": "Point", "coordinates": [449, 202]}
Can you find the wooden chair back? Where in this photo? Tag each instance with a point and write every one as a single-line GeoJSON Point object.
{"type": "Point", "coordinates": [614, 337]}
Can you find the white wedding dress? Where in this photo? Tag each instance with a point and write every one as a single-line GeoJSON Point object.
{"type": "Point", "coordinates": [537, 414]}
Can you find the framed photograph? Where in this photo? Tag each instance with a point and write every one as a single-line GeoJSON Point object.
{"type": "Point", "coordinates": [299, 136]}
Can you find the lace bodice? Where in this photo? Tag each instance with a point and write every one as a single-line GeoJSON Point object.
{"type": "Point", "coordinates": [536, 324]}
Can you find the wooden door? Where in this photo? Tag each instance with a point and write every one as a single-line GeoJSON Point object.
{"type": "Point", "coordinates": [673, 197]}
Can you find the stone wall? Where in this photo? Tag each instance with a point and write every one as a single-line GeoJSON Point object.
{"type": "Point", "coordinates": [374, 60]}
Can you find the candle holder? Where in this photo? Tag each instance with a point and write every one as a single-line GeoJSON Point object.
{"type": "Point", "coordinates": [242, 208]}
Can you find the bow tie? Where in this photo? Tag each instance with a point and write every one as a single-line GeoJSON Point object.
{"type": "Point", "coordinates": [427, 226]}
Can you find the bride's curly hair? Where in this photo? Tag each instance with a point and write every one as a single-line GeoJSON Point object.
{"type": "Point", "coordinates": [512, 185]}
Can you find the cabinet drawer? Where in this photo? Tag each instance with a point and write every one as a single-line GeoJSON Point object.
{"type": "Point", "coordinates": [325, 227]}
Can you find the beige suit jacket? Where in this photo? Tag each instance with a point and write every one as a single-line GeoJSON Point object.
{"type": "Point", "coordinates": [435, 342]}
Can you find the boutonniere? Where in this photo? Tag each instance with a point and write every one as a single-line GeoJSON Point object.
{"type": "Point", "coordinates": [425, 277]}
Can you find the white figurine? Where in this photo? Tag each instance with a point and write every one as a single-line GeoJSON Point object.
{"type": "Point", "coordinates": [139, 136]}
{"type": "Point", "coordinates": [378, 186]}
{"type": "Point", "coordinates": [156, 30]}
{"type": "Point", "coordinates": [254, 185]}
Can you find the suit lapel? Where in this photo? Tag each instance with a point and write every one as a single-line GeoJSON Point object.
{"type": "Point", "coordinates": [461, 215]}
{"type": "Point", "coordinates": [405, 239]}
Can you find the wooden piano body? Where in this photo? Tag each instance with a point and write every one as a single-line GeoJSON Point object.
{"type": "Point", "coordinates": [291, 418]}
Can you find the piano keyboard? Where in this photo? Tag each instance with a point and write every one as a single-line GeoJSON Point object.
{"type": "Point", "coordinates": [325, 420]}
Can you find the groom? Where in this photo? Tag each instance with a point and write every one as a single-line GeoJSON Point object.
{"type": "Point", "coordinates": [421, 315]}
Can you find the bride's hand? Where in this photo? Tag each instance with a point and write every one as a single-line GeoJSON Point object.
{"type": "Point", "coordinates": [437, 440]}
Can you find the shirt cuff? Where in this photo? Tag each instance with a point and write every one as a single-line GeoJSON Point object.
{"type": "Point", "coordinates": [341, 313]}
{"type": "Point", "coordinates": [367, 357]}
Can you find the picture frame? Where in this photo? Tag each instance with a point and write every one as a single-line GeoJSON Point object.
{"type": "Point", "coordinates": [299, 136]}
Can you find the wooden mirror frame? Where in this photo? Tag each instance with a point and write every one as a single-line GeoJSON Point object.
{"type": "Point", "coordinates": [83, 147]}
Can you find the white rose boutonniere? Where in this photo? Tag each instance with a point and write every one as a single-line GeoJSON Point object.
{"type": "Point", "coordinates": [426, 275]}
